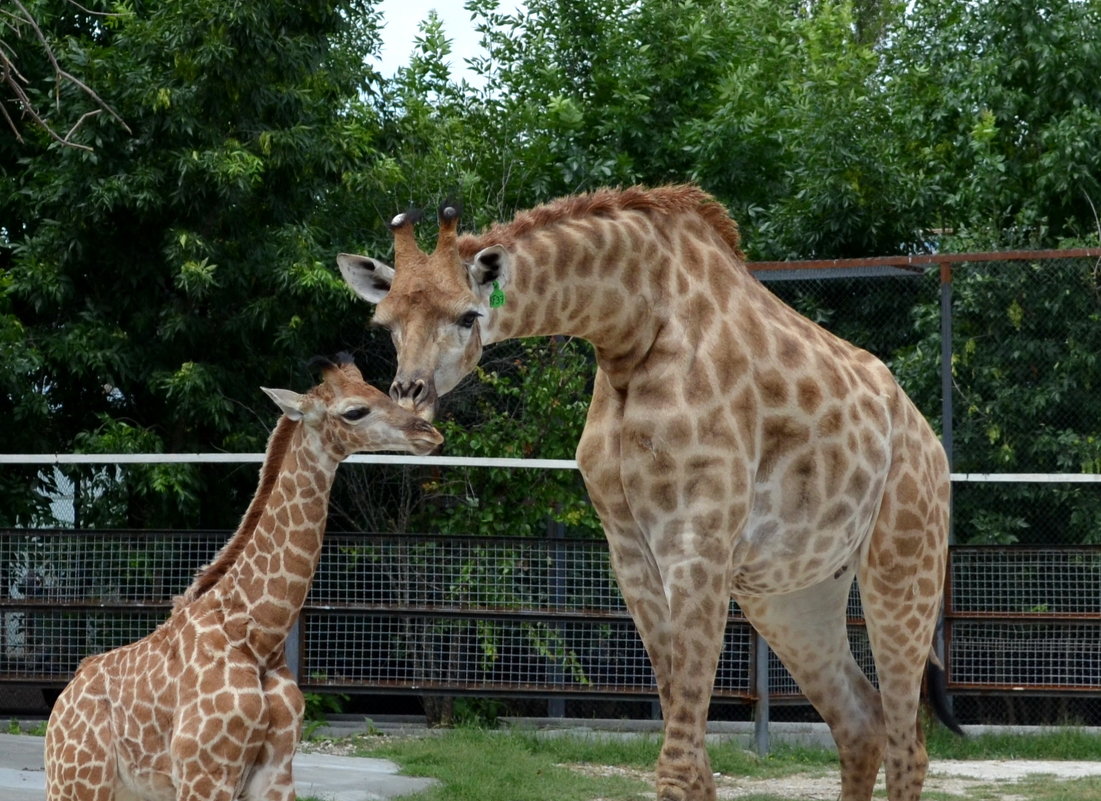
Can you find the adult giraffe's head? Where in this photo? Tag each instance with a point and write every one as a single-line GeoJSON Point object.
{"type": "Point", "coordinates": [433, 306]}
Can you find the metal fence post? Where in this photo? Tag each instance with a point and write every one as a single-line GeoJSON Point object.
{"type": "Point", "coordinates": [760, 718]}
{"type": "Point", "coordinates": [946, 412]}
{"type": "Point", "coordinates": [556, 531]}
{"type": "Point", "coordinates": [946, 362]}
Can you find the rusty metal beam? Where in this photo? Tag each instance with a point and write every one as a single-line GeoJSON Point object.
{"type": "Point", "coordinates": [919, 260]}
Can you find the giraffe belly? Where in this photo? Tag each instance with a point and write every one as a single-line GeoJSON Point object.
{"type": "Point", "coordinates": [771, 559]}
{"type": "Point", "coordinates": [124, 793]}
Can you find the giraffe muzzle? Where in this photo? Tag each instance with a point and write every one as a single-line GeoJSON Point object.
{"type": "Point", "coordinates": [417, 396]}
{"type": "Point", "coordinates": [424, 439]}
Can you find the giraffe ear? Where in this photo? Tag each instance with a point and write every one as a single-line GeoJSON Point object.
{"type": "Point", "coordinates": [370, 278]}
{"type": "Point", "coordinates": [491, 265]}
{"type": "Point", "coordinates": [290, 402]}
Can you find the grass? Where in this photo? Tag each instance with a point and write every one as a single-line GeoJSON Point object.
{"type": "Point", "coordinates": [1067, 743]}
{"type": "Point", "coordinates": [498, 766]}
{"type": "Point", "coordinates": [488, 765]}
{"type": "Point", "coordinates": [15, 727]}
{"type": "Point", "coordinates": [1040, 789]}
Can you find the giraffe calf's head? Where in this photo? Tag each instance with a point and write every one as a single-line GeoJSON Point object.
{"type": "Point", "coordinates": [353, 417]}
{"type": "Point", "coordinates": [432, 304]}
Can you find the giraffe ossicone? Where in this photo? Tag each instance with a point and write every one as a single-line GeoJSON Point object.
{"type": "Point", "coordinates": [204, 708]}
{"type": "Point", "coordinates": [732, 448]}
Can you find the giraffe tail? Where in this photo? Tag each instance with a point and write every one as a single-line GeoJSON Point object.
{"type": "Point", "coordinates": [936, 694]}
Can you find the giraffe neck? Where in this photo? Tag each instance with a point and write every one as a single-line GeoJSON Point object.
{"type": "Point", "coordinates": [262, 591]}
{"type": "Point", "coordinates": [616, 280]}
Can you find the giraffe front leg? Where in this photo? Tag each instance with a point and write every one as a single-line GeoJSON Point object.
{"type": "Point", "coordinates": [684, 773]}
{"type": "Point", "coordinates": [272, 777]}
{"type": "Point", "coordinates": [218, 733]}
{"type": "Point", "coordinates": [699, 604]}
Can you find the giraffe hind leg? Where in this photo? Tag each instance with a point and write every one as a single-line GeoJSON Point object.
{"type": "Point", "coordinates": [807, 630]}
{"type": "Point", "coordinates": [79, 760]}
{"type": "Point", "coordinates": [900, 630]}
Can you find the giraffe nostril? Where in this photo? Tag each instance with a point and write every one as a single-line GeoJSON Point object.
{"type": "Point", "coordinates": [417, 395]}
{"type": "Point", "coordinates": [408, 390]}
{"type": "Point", "coordinates": [399, 391]}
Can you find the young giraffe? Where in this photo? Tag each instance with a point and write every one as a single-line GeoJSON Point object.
{"type": "Point", "coordinates": [205, 708]}
{"type": "Point", "coordinates": [732, 447]}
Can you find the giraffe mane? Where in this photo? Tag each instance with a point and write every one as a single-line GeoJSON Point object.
{"type": "Point", "coordinates": [208, 576]}
{"type": "Point", "coordinates": [671, 199]}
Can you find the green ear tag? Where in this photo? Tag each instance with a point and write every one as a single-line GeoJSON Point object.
{"type": "Point", "coordinates": [496, 297]}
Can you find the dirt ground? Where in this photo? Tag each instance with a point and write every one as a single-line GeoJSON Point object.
{"type": "Point", "coordinates": [951, 777]}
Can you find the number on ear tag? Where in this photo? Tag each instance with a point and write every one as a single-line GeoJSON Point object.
{"type": "Point", "coordinates": [496, 297]}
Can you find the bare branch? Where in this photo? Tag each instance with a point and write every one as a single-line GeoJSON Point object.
{"type": "Point", "coordinates": [17, 83]}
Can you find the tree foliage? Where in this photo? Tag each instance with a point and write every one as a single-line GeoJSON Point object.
{"type": "Point", "coordinates": [153, 282]}
{"type": "Point", "coordinates": [150, 284]}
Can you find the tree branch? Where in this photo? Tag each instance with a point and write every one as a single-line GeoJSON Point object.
{"type": "Point", "coordinates": [17, 82]}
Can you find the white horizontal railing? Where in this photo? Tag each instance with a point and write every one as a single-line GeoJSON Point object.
{"type": "Point", "coordinates": [456, 461]}
{"type": "Point", "coordinates": [1027, 478]}
{"type": "Point", "coordinates": [245, 458]}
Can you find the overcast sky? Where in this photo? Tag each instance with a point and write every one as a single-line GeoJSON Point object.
{"type": "Point", "coordinates": [401, 18]}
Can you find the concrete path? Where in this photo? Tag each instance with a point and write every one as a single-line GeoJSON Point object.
{"type": "Point", "coordinates": [333, 778]}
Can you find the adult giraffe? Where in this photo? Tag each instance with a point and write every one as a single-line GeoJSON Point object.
{"type": "Point", "coordinates": [732, 447]}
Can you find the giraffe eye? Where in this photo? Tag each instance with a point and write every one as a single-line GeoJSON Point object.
{"type": "Point", "coordinates": [357, 413]}
{"type": "Point", "coordinates": [468, 319]}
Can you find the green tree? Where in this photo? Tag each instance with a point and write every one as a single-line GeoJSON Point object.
{"type": "Point", "coordinates": [776, 108]}
{"type": "Point", "coordinates": [998, 116]}
{"type": "Point", "coordinates": [152, 283]}
{"type": "Point", "coordinates": [997, 119]}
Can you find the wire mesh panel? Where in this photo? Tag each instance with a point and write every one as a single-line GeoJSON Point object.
{"type": "Point", "coordinates": [1025, 617]}
{"type": "Point", "coordinates": [414, 653]}
{"type": "Point", "coordinates": [45, 644]}
{"type": "Point", "coordinates": [476, 598]}
{"type": "Point", "coordinates": [514, 616]}
{"type": "Point", "coordinates": [1026, 581]}
{"type": "Point", "coordinates": [1011, 656]}
{"type": "Point", "coordinates": [96, 567]}
{"type": "Point", "coordinates": [68, 594]}
{"type": "Point", "coordinates": [471, 573]}
{"type": "Point", "coordinates": [417, 653]}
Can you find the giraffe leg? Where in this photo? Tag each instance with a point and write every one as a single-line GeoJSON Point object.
{"type": "Point", "coordinates": [696, 586]}
{"type": "Point", "coordinates": [679, 612]}
{"type": "Point", "coordinates": [684, 664]}
{"type": "Point", "coordinates": [901, 577]}
{"type": "Point", "coordinates": [901, 623]}
{"type": "Point", "coordinates": [219, 734]}
{"type": "Point", "coordinates": [807, 631]}
{"type": "Point", "coordinates": [271, 777]}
